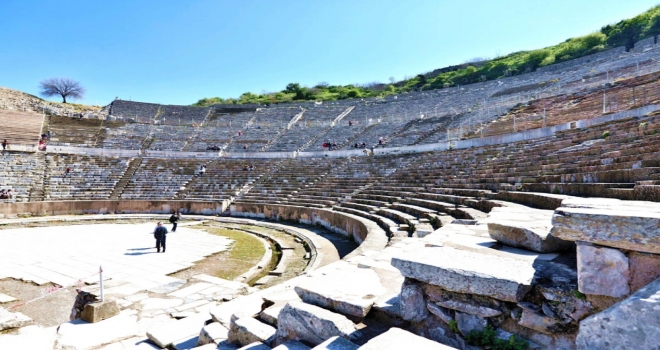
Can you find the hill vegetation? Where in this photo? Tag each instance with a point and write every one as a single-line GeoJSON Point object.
{"type": "Point", "coordinates": [625, 33]}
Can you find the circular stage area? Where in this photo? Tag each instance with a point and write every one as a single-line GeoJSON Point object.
{"type": "Point", "coordinates": [65, 255]}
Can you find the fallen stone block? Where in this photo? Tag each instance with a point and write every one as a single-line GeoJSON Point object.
{"type": "Point", "coordinates": [247, 330]}
{"type": "Point", "coordinates": [312, 324]}
{"type": "Point", "coordinates": [602, 271]}
{"type": "Point", "coordinates": [644, 269]}
{"type": "Point", "coordinates": [9, 320]}
{"type": "Point", "coordinates": [525, 228]}
{"type": "Point", "coordinates": [212, 333]}
{"type": "Point", "coordinates": [348, 290]}
{"type": "Point", "coordinates": [336, 343]}
{"type": "Point", "coordinates": [631, 225]}
{"type": "Point", "coordinates": [82, 335]}
{"type": "Point", "coordinates": [100, 311]}
{"type": "Point", "coordinates": [269, 315]}
{"type": "Point", "coordinates": [468, 272]}
{"type": "Point", "coordinates": [628, 324]}
{"type": "Point", "coordinates": [396, 339]}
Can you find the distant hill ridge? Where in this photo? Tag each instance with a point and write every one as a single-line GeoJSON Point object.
{"type": "Point", "coordinates": [625, 33]}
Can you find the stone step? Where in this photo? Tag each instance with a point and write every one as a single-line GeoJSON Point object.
{"type": "Point", "coordinates": [246, 330]}
{"type": "Point", "coordinates": [312, 324]}
{"type": "Point", "coordinates": [525, 228]}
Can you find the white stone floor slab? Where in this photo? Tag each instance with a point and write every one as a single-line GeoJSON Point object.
{"type": "Point", "coordinates": [66, 254]}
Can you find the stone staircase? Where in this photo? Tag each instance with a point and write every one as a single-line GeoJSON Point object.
{"type": "Point", "coordinates": [37, 191]}
{"type": "Point", "coordinates": [121, 184]}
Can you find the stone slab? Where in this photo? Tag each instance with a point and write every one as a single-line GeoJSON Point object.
{"type": "Point", "coordinates": [168, 333]}
{"type": "Point", "coordinates": [336, 343]}
{"type": "Point", "coordinates": [629, 324]}
{"type": "Point", "coordinates": [4, 298]}
{"type": "Point", "coordinates": [468, 308]}
{"type": "Point", "coordinates": [631, 225]}
{"type": "Point", "coordinates": [468, 272]}
{"type": "Point", "coordinates": [525, 228]}
{"type": "Point", "coordinates": [82, 335]}
{"type": "Point", "coordinates": [411, 301]}
{"type": "Point", "coordinates": [602, 271]}
{"type": "Point", "coordinates": [397, 338]}
{"type": "Point", "coordinates": [347, 289]}
{"type": "Point", "coordinates": [247, 330]}
{"type": "Point", "coordinates": [312, 324]}
{"type": "Point", "coordinates": [9, 320]}
{"type": "Point", "coordinates": [212, 333]}
{"type": "Point", "coordinates": [292, 345]}
{"type": "Point", "coordinates": [644, 269]}
{"type": "Point", "coordinates": [255, 346]}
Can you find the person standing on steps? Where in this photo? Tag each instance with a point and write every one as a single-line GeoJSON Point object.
{"type": "Point", "coordinates": [160, 233]}
{"type": "Point", "coordinates": [174, 219]}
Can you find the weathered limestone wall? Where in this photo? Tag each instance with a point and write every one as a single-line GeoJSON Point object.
{"type": "Point", "coordinates": [366, 233]}
{"type": "Point", "coordinates": [8, 210]}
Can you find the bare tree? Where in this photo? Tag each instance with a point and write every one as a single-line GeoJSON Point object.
{"type": "Point", "coordinates": [64, 87]}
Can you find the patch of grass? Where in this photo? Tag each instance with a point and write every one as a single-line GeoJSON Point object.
{"type": "Point", "coordinates": [245, 252]}
{"type": "Point", "coordinates": [453, 326]}
{"type": "Point", "coordinates": [579, 295]}
{"type": "Point", "coordinates": [488, 339]}
{"type": "Point", "coordinates": [606, 134]}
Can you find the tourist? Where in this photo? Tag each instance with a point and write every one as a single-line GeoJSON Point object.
{"type": "Point", "coordinates": [5, 144]}
{"type": "Point", "coordinates": [174, 219]}
{"type": "Point", "coordinates": [3, 194]}
{"type": "Point", "coordinates": [244, 146]}
{"type": "Point", "coordinates": [250, 168]}
{"type": "Point", "coordinates": [10, 195]}
{"type": "Point", "coordinates": [350, 123]}
{"type": "Point", "coordinates": [160, 233]}
{"type": "Point", "coordinates": [202, 170]}
{"type": "Point", "coordinates": [67, 172]}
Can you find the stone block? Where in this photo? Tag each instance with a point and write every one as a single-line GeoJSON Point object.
{"type": "Point", "coordinates": [526, 228]}
{"type": "Point", "coordinates": [10, 320]}
{"type": "Point", "coordinates": [99, 311]}
{"type": "Point", "coordinates": [336, 343]}
{"type": "Point", "coordinates": [411, 301]}
{"type": "Point", "coordinates": [628, 324]}
{"type": "Point", "coordinates": [441, 312]}
{"type": "Point", "coordinates": [348, 290]}
{"type": "Point", "coordinates": [397, 338]}
{"type": "Point", "coordinates": [630, 225]}
{"type": "Point", "coordinates": [602, 271]}
{"type": "Point", "coordinates": [538, 322]}
{"type": "Point", "coordinates": [247, 330]}
{"type": "Point", "coordinates": [212, 333]}
{"type": "Point", "coordinates": [468, 272]}
{"type": "Point", "coordinates": [312, 324]}
{"type": "Point", "coordinates": [255, 346]}
{"type": "Point", "coordinates": [644, 269]}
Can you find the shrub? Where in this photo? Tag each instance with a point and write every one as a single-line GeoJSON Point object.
{"type": "Point", "coordinates": [606, 134]}
{"type": "Point", "coordinates": [488, 339]}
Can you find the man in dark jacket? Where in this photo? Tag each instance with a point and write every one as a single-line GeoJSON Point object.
{"type": "Point", "coordinates": [173, 220]}
{"type": "Point", "coordinates": [160, 233]}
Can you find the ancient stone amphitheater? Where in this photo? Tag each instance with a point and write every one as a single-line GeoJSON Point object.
{"type": "Point", "coordinates": [512, 214]}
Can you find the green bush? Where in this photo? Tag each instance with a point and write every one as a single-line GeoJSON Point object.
{"type": "Point", "coordinates": [488, 339]}
{"type": "Point", "coordinates": [606, 134]}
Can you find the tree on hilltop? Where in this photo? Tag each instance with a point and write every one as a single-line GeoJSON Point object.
{"type": "Point", "coordinates": [63, 87]}
{"type": "Point", "coordinates": [654, 28]}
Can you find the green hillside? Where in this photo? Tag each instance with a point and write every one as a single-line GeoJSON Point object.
{"type": "Point", "coordinates": [625, 33]}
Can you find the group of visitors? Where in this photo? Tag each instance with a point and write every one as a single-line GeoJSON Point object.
{"type": "Point", "coordinates": [6, 194]}
{"type": "Point", "coordinates": [330, 145]}
{"type": "Point", "coordinates": [360, 145]}
{"type": "Point", "coordinates": [248, 167]}
{"type": "Point", "coordinates": [213, 148]}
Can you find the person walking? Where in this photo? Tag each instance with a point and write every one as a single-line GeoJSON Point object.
{"type": "Point", "coordinates": [174, 219]}
{"type": "Point", "coordinates": [160, 233]}
{"type": "Point", "coordinates": [4, 144]}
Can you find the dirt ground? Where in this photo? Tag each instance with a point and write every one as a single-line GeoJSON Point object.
{"type": "Point", "coordinates": [52, 309]}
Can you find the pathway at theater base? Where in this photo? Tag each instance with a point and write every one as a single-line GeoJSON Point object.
{"type": "Point", "coordinates": [65, 254]}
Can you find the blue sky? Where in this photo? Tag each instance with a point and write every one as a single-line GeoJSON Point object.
{"type": "Point", "coordinates": [176, 52]}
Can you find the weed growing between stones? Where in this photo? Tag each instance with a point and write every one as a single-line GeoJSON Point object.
{"type": "Point", "coordinates": [606, 134]}
{"type": "Point", "coordinates": [579, 295]}
{"type": "Point", "coordinates": [488, 339]}
{"type": "Point", "coordinates": [453, 326]}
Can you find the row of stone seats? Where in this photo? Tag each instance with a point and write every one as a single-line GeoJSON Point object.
{"type": "Point", "coordinates": [224, 179]}
{"type": "Point", "coordinates": [90, 177]}
{"type": "Point", "coordinates": [130, 136]}
{"type": "Point", "coordinates": [160, 178]}
{"type": "Point", "coordinates": [25, 132]}
{"type": "Point", "coordinates": [21, 171]}
{"type": "Point", "coordinates": [170, 137]}
{"type": "Point", "coordinates": [314, 121]}
{"type": "Point", "coordinates": [267, 124]}
{"type": "Point", "coordinates": [220, 131]}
